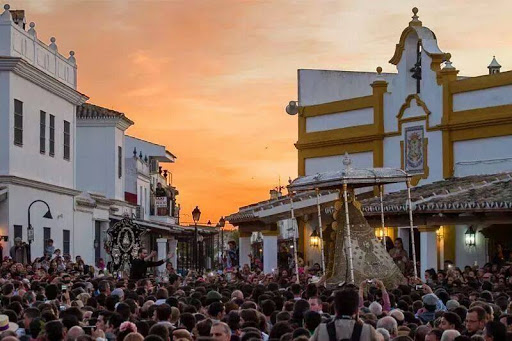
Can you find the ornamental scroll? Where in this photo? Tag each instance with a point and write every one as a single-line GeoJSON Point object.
{"type": "Point", "coordinates": [124, 243]}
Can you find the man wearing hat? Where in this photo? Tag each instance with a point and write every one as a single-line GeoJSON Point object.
{"type": "Point", "coordinates": [19, 251]}
{"type": "Point", "coordinates": [430, 304]}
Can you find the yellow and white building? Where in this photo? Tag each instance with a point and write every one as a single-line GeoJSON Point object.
{"type": "Point", "coordinates": [425, 118]}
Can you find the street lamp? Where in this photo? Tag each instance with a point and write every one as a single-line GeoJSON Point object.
{"type": "Point", "coordinates": [30, 229]}
{"type": "Point", "coordinates": [196, 214]}
{"type": "Point", "coordinates": [222, 223]}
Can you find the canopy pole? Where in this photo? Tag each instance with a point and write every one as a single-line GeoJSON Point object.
{"type": "Point", "coordinates": [320, 227]}
{"type": "Point", "coordinates": [411, 225]}
{"type": "Point", "coordinates": [347, 229]}
{"type": "Point", "coordinates": [294, 239]}
{"type": "Point", "coordinates": [384, 234]}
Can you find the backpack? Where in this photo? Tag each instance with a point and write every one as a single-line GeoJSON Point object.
{"type": "Point", "coordinates": [356, 332]}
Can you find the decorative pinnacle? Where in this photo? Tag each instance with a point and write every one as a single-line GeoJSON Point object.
{"type": "Point", "coordinates": [379, 78]}
{"type": "Point", "coordinates": [415, 21]}
{"type": "Point", "coordinates": [32, 30]}
{"type": "Point", "coordinates": [52, 45]}
{"type": "Point", "coordinates": [447, 63]}
{"type": "Point", "coordinates": [7, 7]}
{"type": "Point", "coordinates": [415, 12]}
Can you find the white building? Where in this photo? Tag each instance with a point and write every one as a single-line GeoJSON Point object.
{"type": "Point", "coordinates": [74, 157]}
{"type": "Point", "coordinates": [37, 136]}
{"type": "Point", "coordinates": [425, 119]}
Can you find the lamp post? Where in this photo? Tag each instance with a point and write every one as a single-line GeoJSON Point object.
{"type": "Point", "coordinates": [196, 214]}
{"type": "Point", "coordinates": [222, 223]}
{"type": "Point", "coordinates": [30, 229]}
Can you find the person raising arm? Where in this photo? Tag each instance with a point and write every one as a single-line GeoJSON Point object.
{"type": "Point", "coordinates": [141, 264]}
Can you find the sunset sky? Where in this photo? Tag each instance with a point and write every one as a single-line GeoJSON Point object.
{"type": "Point", "coordinates": [210, 79]}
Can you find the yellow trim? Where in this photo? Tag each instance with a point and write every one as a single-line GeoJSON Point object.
{"type": "Point", "coordinates": [448, 76]}
{"type": "Point", "coordinates": [404, 107]}
{"type": "Point", "coordinates": [351, 148]}
{"type": "Point", "coordinates": [474, 123]}
{"type": "Point", "coordinates": [426, 170]}
{"type": "Point", "coordinates": [338, 106]}
{"type": "Point", "coordinates": [493, 115]}
{"type": "Point", "coordinates": [481, 82]}
{"type": "Point", "coordinates": [479, 132]}
{"type": "Point", "coordinates": [449, 242]}
{"type": "Point", "coordinates": [357, 139]}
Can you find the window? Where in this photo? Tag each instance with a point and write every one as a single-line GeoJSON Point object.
{"type": "Point", "coordinates": [47, 231]}
{"type": "Point", "coordinates": [18, 122]}
{"type": "Point", "coordinates": [67, 140]}
{"type": "Point", "coordinates": [52, 136]}
{"type": "Point", "coordinates": [65, 241]}
{"type": "Point", "coordinates": [119, 162]}
{"type": "Point", "coordinates": [18, 231]}
{"type": "Point", "coordinates": [42, 132]}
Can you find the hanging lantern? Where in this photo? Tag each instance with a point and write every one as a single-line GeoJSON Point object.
{"type": "Point", "coordinates": [470, 237]}
{"type": "Point", "coordinates": [314, 240]}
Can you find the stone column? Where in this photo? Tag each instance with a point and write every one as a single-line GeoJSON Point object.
{"type": "Point", "coordinates": [405, 234]}
{"type": "Point", "coordinates": [244, 249]}
{"type": "Point", "coordinates": [173, 249]}
{"type": "Point", "coordinates": [428, 247]}
{"type": "Point", "coordinates": [269, 252]}
{"type": "Point", "coordinates": [161, 244]}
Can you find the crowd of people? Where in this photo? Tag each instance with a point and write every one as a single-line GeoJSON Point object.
{"type": "Point", "coordinates": [57, 298]}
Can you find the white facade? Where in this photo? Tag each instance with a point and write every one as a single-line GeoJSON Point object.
{"type": "Point", "coordinates": [56, 149]}
{"type": "Point", "coordinates": [440, 126]}
{"type": "Point", "coordinates": [100, 141]}
{"type": "Point", "coordinates": [37, 155]}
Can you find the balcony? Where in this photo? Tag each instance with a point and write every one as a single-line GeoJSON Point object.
{"type": "Point", "coordinates": [163, 209]}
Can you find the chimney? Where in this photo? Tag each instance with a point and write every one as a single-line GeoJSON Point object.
{"type": "Point", "coordinates": [18, 16]}
{"type": "Point", "coordinates": [274, 194]}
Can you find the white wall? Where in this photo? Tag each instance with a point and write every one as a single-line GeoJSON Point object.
{"type": "Point", "coordinates": [339, 120]}
{"type": "Point", "coordinates": [97, 160]}
{"type": "Point", "coordinates": [323, 86]}
{"type": "Point", "coordinates": [146, 147]}
{"type": "Point", "coordinates": [483, 156]}
{"type": "Point", "coordinates": [465, 255]}
{"type": "Point", "coordinates": [501, 95]}
{"type": "Point", "coordinates": [61, 207]}
{"type": "Point", "coordinates": [83, 240]}
{"type": "Point", "coordinates": [119, 181]}
{"type": "Point", "coordinates": [6, 133]}
{"type": "Point", "coordinates": [53, 170]}
{"type": "Point", "coordinates": [335, 163]}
